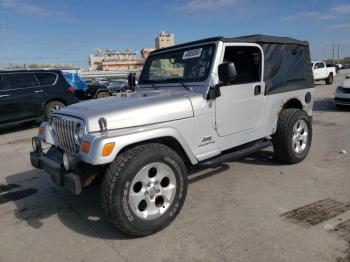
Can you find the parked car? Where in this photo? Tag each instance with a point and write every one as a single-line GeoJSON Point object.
{"type": "Point", "coordinates": [117, 85]}
{"type": "Point", "coordinates": [84, 90]}
{"type": "Point", "coordinates": [337, 69]}
{"type": "Point", "coordinates": [322, 72]}
{"type": "Point", "coordinates": [196, 104]}
{"type": "Point", "coordinates": [28, 95]}
{"type": "Point", "coordinates": [75, 80]}
{"type": "Point", "coordinates": [342, 94]}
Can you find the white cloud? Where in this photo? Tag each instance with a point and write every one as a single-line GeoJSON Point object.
{"type": "Point", "coordinates": [309, 15]}
{"type": "Point", "coordinates": [334, 12]}
{"type": "Point", "coordinates": [202, 6]}
{"type": "Point", "coordinates": [341, 9]}
{"type": "Point", "coordinates": [341, 26]}
{"type": "Point", "coordinates": [26, 8]}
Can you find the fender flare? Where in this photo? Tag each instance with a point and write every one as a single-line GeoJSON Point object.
{"type": "Point", "coordinates": [122, 140]}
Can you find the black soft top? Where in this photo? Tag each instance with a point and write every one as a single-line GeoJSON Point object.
{"type": "Point", "coordinates": [259, 39]}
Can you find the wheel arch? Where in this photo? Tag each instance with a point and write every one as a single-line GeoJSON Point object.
{"type": "Point", "coordinates": [293, 103]}
{"type": "Point", "coordinates": [168, 141]}
{"type": "Point", "coordinates": [51, 100]}
{"type": "Point", "coordinates": [168, 136]}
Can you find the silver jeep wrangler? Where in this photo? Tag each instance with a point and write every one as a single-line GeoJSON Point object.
{"type": "Point", "coordinates": [197, 104]}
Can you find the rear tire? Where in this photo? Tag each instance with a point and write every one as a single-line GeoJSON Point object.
{"type": "Point", "coordinates": [292, 140]}
{"type": "Point", "coordinates": [102, 95]}
{"type": "Point", "coordinates": [329, 79]}
{"type": "Point", "coordinates": [144, 189]}
{"type": "Point", "coordinates": [51, 107]}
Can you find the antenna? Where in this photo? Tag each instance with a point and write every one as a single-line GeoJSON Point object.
{"type": "Point", "coordinates": [9, 57]}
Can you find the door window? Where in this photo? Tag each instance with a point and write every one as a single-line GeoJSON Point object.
{"type": "Point", "coordinates": [247, 60]}
{"type": "Point", "coordinates": [46, 79]}
{"type": "Point", "coordinates": [22, 80]}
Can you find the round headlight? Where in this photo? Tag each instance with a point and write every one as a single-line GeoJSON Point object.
{"type": "Point", "coordinates": [79, 133]}
{"type": "Point", "coordinates": [65, 160]}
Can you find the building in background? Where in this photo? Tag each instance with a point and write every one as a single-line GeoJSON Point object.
{"type": "Point", "coordinates": [126, 60]}
{"type": "Point", "coordinates": [145, 52]}
{"type": "Point", "coordinates": [164, 40]}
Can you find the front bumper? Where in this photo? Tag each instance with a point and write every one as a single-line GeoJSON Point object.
{"type": "Point", "coordinates": [342, 101]}
{"type": "Point", "coordinates": [51, 162]}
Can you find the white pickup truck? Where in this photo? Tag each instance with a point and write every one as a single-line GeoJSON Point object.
{"type": "Point", "coordinates": [322, 72]}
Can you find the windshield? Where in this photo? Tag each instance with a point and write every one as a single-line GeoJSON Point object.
{"type": "Point", "coordinates": [186, 65]}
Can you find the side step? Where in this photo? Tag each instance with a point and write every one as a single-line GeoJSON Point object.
{"type": "Point", "coordinates": [235, 154]}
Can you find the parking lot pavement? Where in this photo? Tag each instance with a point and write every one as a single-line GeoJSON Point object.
{"type": "Point", "coordinates": [254, 209]}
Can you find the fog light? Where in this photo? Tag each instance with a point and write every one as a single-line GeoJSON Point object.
{"type": "Point", "coordinates": [65, 161]}
{"type": "Point", "coordinates": [69, 161]}
{"type": "Point", "coordinates": [36, 144]}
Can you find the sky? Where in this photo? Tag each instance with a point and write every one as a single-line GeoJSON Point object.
{"type": "Point", "coordinates": [68, 31]}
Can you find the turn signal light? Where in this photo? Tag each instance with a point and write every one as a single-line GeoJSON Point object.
{"type": "Point", "coordinates": [85, 147]}
{"type": "Point", "coordinates": [107, 149]}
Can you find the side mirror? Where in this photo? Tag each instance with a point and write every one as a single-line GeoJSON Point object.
{"type": "Point", "coordinates": [227, 72]}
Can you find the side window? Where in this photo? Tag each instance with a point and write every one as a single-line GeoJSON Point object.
{"type": "Point", "coordinates": [247, 60]}
{"type": "Point", "coordinates": [3, 83]}
{"type": "Point", "coordinates": [319, 65]}
{"type": "Point", "coordinates": [46, 79]}
{"type": "Point", "coordinates": [22, 80]}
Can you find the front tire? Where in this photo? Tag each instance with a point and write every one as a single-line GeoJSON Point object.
{"type": "Point", "coordinates": [144, 189]}
{"type": "Point", "coordinates": [292, 140]}
{"type": "Point", "coordinates": [329, 79]}
{"type": "Point", "coordinates": [102, 95]}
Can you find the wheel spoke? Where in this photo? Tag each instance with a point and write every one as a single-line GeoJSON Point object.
{"type": "Point", "coordinates": [136, 198]}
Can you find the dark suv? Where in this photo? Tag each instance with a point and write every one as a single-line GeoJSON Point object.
{"type": "Point", "coordinates": [28, 95]}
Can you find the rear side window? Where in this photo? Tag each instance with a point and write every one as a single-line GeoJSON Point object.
{"type": "Point", "coordinates": [22, 80]}
{"type": "Point", "coordinates": [46, 79]}
{"type": "Point", "coordinates": [3, 83]}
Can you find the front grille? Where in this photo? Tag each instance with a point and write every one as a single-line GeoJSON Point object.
{"type": "Point", "coordinates": [65, 131]}
{"type": "Point", "coordinates": [344, 90]}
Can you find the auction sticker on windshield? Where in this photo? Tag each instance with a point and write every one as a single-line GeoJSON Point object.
{"type": "Point", "coordinates": [192, 53]}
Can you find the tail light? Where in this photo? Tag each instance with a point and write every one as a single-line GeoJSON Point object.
{"type": "Point", "coordinates": [71, 89]}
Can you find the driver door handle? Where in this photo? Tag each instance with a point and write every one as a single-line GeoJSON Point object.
{"type": "Point", "coordinates": [257, 90]}
{"type": "Point", "coordinates": [4, 95]}
{"type": "Point", "coordinates": [39, 91]}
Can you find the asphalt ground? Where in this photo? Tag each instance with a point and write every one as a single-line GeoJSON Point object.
{"type": "Point", "coordinates": [253, 209]}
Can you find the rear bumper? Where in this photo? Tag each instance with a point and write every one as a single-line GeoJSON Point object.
{"type": "Point", "coordinates": [51, 163]}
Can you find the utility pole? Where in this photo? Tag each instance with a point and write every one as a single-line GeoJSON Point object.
{"type": "Point", "coordinates": [7, 45]}
{"type": "Point", "coordinates": [333, 53]}
{"type": "Point", "coordinates": [338, 53]}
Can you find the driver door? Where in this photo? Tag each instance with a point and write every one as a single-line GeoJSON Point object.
{"type": "Point", "coordinates": [240, 106]}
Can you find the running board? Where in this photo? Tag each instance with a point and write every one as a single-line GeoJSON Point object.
{"type": "Point", "coordinates": [235, 154]}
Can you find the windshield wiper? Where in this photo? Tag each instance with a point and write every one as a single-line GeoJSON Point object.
{"type": "Point", "coordinates": [178, 80]}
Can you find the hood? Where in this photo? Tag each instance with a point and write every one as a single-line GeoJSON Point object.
{"type": "Point", "coordinates": [135, 109]}
{"type": "Point", "coordinates": [346, 83]}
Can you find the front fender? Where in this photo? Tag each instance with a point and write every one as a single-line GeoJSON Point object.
{"type": "Point", "coordinates": [123, 140]}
